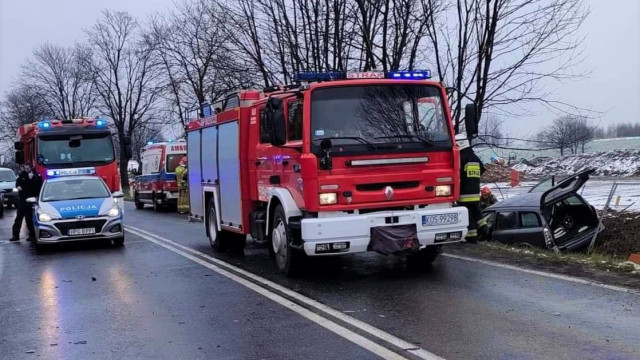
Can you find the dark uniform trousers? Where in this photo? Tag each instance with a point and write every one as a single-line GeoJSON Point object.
{"type": "Point", "coordinates": [470, 170]}
{"type": "Point", "coordinates": [24, 211]}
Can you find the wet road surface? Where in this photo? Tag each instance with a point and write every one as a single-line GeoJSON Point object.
{"type": "Point", "coordinates": [166, 294]}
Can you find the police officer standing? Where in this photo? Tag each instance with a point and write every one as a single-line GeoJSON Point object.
{"type": "Point", "coordinates": [28, 183]}
{"type": "Point", "coordinates": [471, 169]}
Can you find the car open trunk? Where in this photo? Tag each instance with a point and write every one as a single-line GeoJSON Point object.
{"type": "Point", "coordinates": [572, 220]}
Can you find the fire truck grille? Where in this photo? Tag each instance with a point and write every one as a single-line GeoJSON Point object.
{"type": "Point", "coordinates": [64, 227]}
{"type": "Point", "coordinates": [391, 208]}
{"type": "Point", "coordinates": [395, 185]}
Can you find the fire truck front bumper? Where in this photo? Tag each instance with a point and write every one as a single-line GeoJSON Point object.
{"type": "Point", "coordinates": [339, 233]}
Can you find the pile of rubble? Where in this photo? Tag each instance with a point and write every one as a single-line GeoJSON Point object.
{"type": "Point", "coordinates": [609, 163]}
{"type": "Point", "coordinates": [620, 236]}
{"type": "Point", "coordinates": [500, 173]}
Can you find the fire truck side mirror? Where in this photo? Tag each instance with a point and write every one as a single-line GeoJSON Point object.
{"type": "Point", "coordinates": [19, 157]}
{"type": "Point", "coordinates": [277, 122]}
{"type": "Point", "coordinates": [18, 145]}
{"type": "Point", "coordinates": [471, 120]}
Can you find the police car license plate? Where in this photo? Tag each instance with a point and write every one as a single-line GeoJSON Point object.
{"type": "Point", "coordinates": [441, 219]}
{"type": "Point", "coordinates": [85, 231]}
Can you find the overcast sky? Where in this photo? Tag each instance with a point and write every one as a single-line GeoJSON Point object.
{"type": "Point", "coordinates": [612, 46]}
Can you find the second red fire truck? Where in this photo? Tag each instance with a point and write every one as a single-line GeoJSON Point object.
{"type": "Point", "coordinates": [341, 163]}
{"type": "Point", "coordinates": [70, 147]}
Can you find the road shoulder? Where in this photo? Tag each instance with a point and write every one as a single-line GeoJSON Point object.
{"type": "Point", "coordinates": [546, 262]}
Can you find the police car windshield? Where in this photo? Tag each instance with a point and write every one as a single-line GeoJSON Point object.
{"type": "Point", "coordinates": [77, 150]}
{"type": "Point", "coordinates": [74, 189]}
{"type": "Point", "coordinates": [400, 114]}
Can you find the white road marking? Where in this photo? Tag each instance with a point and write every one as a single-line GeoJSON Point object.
{"type": "Point", "coordinates": [336, 328]}
{"type": "Point", "coordinates": [545, 274]}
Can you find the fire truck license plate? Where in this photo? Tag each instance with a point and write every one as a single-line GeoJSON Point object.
{"type": "Point", "coordinates": [85, 231]}
{"type": "Point", "coordinates": [441, 219]}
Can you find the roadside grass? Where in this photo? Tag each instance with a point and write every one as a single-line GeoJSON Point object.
{"type": "Point", "coordinates": [598, 261]}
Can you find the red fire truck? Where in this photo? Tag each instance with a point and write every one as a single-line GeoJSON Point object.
{"type": "Point", "coordinates": [337, 164]}
{"type": "Point", "coordinates": [156, 183]}
{"type": "Point", "coordinates": [68, 147]}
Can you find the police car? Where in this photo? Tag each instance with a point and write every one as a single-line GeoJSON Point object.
{"type": "Point", "coordinates": [77, 208]}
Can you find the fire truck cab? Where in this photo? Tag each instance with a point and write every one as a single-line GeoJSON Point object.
{"type": "Point", "coordinates": [70, 147]}
{"type": "Point", "coordinates": [156, 185]}
{"type": "Point", "coordinates": [337, 164]}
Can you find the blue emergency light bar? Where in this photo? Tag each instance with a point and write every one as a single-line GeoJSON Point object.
{"type": "Point", "coordinates": [44, 124]}
{"type": "Point", "coordinates": [101, 122]}
{"type": "Point", "coordinates": [410, 75]}
{"type": "Point", "coordinates": [308, 76]}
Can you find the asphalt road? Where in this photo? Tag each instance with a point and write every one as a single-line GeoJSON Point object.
{"type": "Point", "coordinates": [167, 295]}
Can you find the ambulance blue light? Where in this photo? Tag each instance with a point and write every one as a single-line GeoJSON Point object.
{"type": "Point", "coordinates": [44, 124]}
{"type": "Point", "coordinates": [413, 75]}
{"type": "Point", "coordinates": [319, 76]}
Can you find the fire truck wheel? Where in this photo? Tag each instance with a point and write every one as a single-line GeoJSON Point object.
{"type": "Point", "coordinates": [287, 258]}
{"type": "Point", "coordinates": [424, 258]}
{"type": "Point", "coordinates": [216, 241]}
{"type": "Point", "coordinates": [136, 200]}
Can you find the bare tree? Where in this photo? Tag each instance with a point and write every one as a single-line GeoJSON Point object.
{"type": "Point", "coordinates": [566, 133]}
{"type": "Point", "coordinates": [499, 51]}
{"type": "Point", "coordinates": [124, 74]}
{"type": "Point", "coordinates": [190, 45]}
{"type": "Point", "coordinates": [492, 131]}
{"type": "Point", "coordinates": [63, 82]}
{"type": "Point", "coordinates": [23, 104]}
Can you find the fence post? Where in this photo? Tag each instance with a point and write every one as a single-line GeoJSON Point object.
{"type": "Point", "coordinates": [604, 212]}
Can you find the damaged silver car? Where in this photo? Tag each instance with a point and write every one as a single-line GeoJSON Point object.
{"type": "Point", "coordinates": [552, 216]}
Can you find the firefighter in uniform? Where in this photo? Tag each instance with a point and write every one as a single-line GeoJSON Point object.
{"type": "Point", "coordinates": [471, 169]}
{"type": "Point", "coordinates": [486, 198]}
{"type": "Point", "coordinates": [183, 186]}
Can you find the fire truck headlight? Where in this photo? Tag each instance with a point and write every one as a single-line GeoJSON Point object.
{"type": "Point", "coordinates": [443, 190]}
{"type": "Point", "coordinates": [115, 211]}
{"type": "Point", "coordinates": [15, 190]}
{"type": "Point", "coordinates": [328, 198]}
{"type": "Point", "coordinates": [44, 217]}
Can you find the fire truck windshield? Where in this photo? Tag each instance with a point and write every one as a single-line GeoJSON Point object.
{"type": "Point", "coordinates": [404, 117]}
{"type": "Point", "coordinates": [75, 150]}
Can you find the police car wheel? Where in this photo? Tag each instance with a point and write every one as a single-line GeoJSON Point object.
{"type": "Point", "coordinates": [118, 242]}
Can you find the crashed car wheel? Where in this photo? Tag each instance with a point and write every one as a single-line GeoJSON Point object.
{"type": "Point", "coordinates": [568, 222]}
